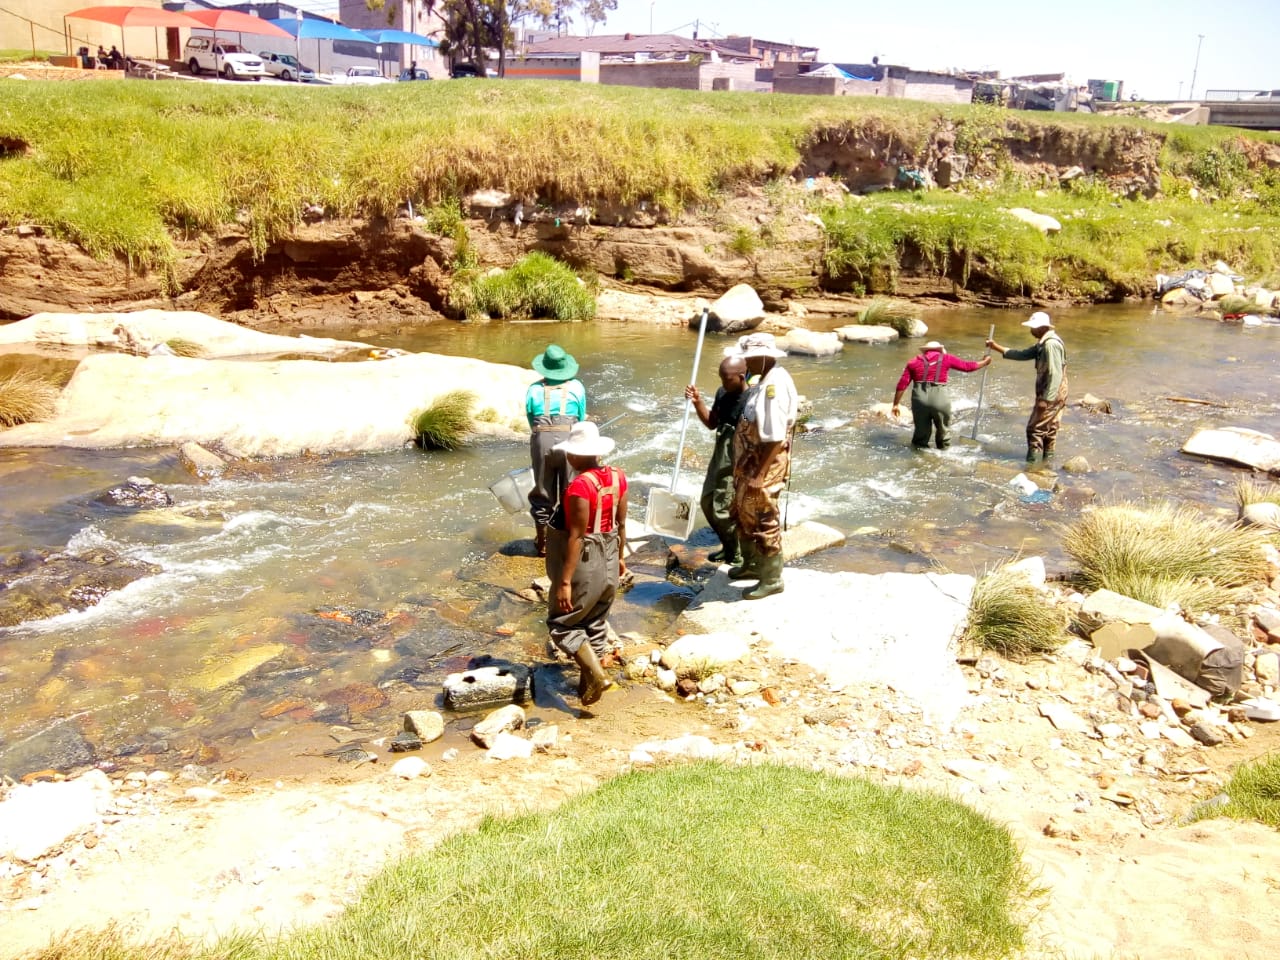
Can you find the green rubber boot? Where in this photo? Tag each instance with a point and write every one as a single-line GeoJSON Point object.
{"type": "Point", "coordinates": [748, 568]}
{"type": "Point", "coordinates": [770, 570]}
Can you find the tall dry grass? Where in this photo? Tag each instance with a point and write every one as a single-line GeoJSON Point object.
{"type": "Point", "coordinates": [26, 397]}
{"type": "Point", "coordinates": [1165, 554]}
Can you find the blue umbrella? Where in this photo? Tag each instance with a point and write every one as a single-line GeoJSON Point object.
{"type": "Point", "coordinates": [309, 28]}
{"type": "Point", "coordinates": [399, 36]}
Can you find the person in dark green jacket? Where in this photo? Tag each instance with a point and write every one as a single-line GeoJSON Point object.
{"type": "Point", "coordinates": [1050, 355]}
{"type": "Point", "coordinates": [717, 488]}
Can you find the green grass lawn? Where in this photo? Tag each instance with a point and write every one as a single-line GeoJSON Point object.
{"type": "Point", "coordinates": [695, 861]}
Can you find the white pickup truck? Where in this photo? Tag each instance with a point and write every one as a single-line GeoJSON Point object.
{"type": "Point", "coordinates": [228, 59]}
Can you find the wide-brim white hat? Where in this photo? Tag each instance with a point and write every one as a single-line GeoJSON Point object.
{"type": "Point", "coordinates": [1038, 319]}
{"type": "Point", "coordinates": [755, 345]}
{"type": "Point", "coordinates": [933, 345]}
{"type": "Point", "coordinates": [585, 441]}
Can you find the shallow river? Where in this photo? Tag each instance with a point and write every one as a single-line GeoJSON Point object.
{"type": "Point", "coordinates": [359, 583]}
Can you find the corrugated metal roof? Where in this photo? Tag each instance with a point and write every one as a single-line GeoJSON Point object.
{"type": "Point", "coordinates": [627, 43]}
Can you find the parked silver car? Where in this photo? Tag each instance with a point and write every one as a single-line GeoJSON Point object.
{"type": "Point", "coordinates": [286, 67]}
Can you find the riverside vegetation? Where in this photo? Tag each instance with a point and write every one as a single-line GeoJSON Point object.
{"type": "Point", "coordinates": [188, 160]}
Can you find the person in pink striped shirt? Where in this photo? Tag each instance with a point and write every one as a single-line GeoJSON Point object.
{"type": "Point", "coordinates": [930, 398]}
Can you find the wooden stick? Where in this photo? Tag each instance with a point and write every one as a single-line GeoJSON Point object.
{"type": "Point", "coordinates": [1206, 403]}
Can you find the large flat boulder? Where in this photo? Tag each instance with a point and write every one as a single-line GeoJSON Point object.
{"type": "Point", "coordinates": [891, 629]}
{"type": "Point", "coordinates": [269, 408]}
{"type": "Point", "coordinates": [1261, 451]}
{"type": "Point", "coordinates": [143, 331]}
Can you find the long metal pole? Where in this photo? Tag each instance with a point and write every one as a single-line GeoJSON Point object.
{"type": "Point", "coordinates": [982, 384]}
{"type": "Point", "coordinates": [688, 404]}
{"type": "Point", "coordinates": [1191, 94]}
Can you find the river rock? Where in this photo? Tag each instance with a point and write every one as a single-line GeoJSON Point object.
{"type": "Point", "coordinates": [1181, 297]}
{"type": "Point", "coordinates": [35, 819]}
{"type": "Point", "coordinates": [866, 333]}
{"type": "Point", "coordinates": [138, 493]}
{"type": "Point", "coordinates": [809, 537]}
{"type": "Point", "coordinates": [410, 768]}
{"type": "Point", "coordinates": [811, 343]}
{"type": "Point", "coordinates": [1262, 514]}
{"type": "Point", "coordinates": [60, 746]}
{"type": "Point", "coordinates": [1105, 606]}
{"type": "Point", "coordinates": [427, 724]}
{"type": "Point", "coordinates": [200, 462]}
{"type": "Point", "coordinates": [916, 328]}
{"type": "Point", "coordinates": [709, 650]}
{"type": "Point", "coordinates": [1041, 221]}
{"type": "Point", "coordinates": [507, 746]}
{"type": "Point", "coordinates": [487, 686]}
{"type": "Point", "coordinates": [38, 585]}
{"type": "Point", "coordinates": [1095, 404]}
{"type": "Point", "coordinates": [1030, 567]}
{"type": "Point", "coordinates": [1077, 464]}
{"type": "Point", "coordinates": [510, 717]}
{"type": "Point", "coordinates": [1261, 451]}
{"type": "Point", "coordinates": [690, 746]}
{"type": "Point", "coordinates": [738, 310]}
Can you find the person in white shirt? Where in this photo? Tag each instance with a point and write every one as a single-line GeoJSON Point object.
{"type": "Point", "coordinates": [762, 463]}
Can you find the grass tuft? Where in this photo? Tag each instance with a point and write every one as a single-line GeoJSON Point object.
{"type": "Point", "coordinates": [1250, 490]}
{"type": "Point", "coordinates": [445, 424]}
{"type": "Point", "coordinates": [26, 397]}
{"type": "Point", "coordinates": [536, 286]}
{"type": "Point", "coordinates": [760, 861]}
{"type": "Point", "coordinates": [882, 312]}
{"type": "Point", "coordinates": [1009, 616]}
{"type": "Point", "coordinates": [1165, 554]}
{"type": "Point", "coordinates": [1254, 792]}
{"type": "Point", "coordinates": [184, 348]}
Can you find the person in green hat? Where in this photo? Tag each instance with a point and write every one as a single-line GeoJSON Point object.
{"type": "Point", "coordinates": [552, 405]}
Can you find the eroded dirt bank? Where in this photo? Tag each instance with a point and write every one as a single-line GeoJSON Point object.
{"type": "Point", "coordinates": [356, 271]}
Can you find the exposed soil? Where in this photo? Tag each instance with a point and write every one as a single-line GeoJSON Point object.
{"type": "Point", "coordinates": [358, 272]}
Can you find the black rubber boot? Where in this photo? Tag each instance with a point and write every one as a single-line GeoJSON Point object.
{"type": "Point", "coordinates": [770, 569]}
{"type": "Point", "coordinates": [747, 569]}
{"type": "Point", "coordinates": [1031, 454]}
{"type": "Point", "coordinates": [729, 553]}
{"type": "Point", "coordinates": [593, 681]}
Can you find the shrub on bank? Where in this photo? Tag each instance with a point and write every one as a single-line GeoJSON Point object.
{"type": "Point", "coordinates": [1253, 792]}
{"type": "Point", "coordinates": [1165, 554]}
{"type": "Point", "coordinates": [536, 286]}
{"type": "Point", "coordinates": [1008, 615]}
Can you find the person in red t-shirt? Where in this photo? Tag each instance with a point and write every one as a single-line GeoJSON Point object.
{"type": "Point", "coordinates": [930, 398]}
{"type": "Point", "coordinates": [584, 559]}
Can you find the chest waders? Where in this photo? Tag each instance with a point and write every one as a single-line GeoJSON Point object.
{"type": "Point", "coordinates": [550, 469]}
{"type": "Point", "coordinates": [931, 406]}
{"type": "Point", "coordinates": [582, 631]}
{"type": "Point", "coordinates": [756, 511]}
{"type": "Point", "coordinates": [717, 496]}
{"type": "Point", "coordinates": [1046, 414]}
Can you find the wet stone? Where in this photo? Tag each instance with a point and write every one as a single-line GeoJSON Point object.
{"type": "Point", "coordinates": [404, 741]}
{"type": "Point", "coordinates": [427, 725]}
{"type": "Point", "coordinates": [487, 686]}
{"type": "Point", "coordinates": [36, 585]}
{"type": "Point", "coordinates": [137, 493]}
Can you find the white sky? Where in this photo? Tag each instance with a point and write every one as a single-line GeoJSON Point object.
{"type": "Point", "coordinates": [1149, 44]}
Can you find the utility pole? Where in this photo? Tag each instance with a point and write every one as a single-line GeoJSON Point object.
{"type": "Point", "coordinates": [1191, 94]}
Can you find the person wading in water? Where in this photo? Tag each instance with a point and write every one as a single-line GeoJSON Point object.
{"type": "Point", "coordinates": [930, 398]}
{"type": "Point", "coordinates": [1050, 355]}
{"type": "Point", "coordinates": [552, 405]}
{"type": "Point", "coordinates": [761, 462]}
{"type": "Point", "coordinates": [584, 557]}
{"type": "Point", "coordinates": [717, 488]}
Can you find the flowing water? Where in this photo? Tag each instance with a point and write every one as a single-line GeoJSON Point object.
{"type": "Point", "coordinates": [341, 590]}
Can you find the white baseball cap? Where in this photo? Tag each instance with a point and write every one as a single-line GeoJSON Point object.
{"type": "Point", "coordinates": [1038, 319]}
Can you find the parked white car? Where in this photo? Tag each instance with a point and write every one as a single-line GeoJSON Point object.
{"type": "Point", "coordinates": [366, 76]}
{"type": "Point", "coordinates": [286, 67]}
{"type": "Point", "coordinates": [216, 56]}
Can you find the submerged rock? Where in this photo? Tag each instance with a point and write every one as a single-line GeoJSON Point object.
{"type": "Point", "coordinates": [37, 585]}
{"type": "Point", "coordinates": [139, 493]}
